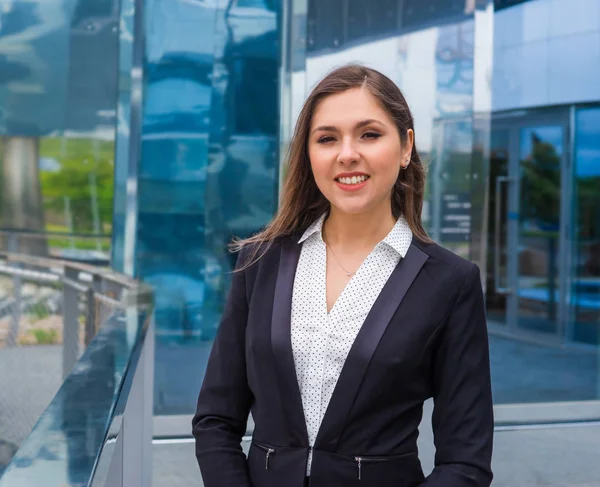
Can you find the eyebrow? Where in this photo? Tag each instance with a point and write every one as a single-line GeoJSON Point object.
{"type": "Point", "coordinates": [331, 128]}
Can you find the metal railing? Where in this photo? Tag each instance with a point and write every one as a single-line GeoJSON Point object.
{"type": "Point", "coordinates": [93, 328]}
{"type": "Point", "coordinates": [49, 301]}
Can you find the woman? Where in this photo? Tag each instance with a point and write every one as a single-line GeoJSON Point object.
{"type": "Point", "coordinates": [343, 318]}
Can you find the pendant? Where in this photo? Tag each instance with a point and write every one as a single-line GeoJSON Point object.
{"type": "Point", "coordinates": [349, 274]}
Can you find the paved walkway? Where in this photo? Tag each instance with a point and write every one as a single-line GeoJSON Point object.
{"type": "Point", "coordinates": [29, 379]}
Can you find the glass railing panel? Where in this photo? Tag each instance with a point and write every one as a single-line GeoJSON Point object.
{"type": "Point", "coordinates": [64, 447]}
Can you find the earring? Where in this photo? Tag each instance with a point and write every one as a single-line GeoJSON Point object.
{"type": "Point", "coordinates": [404, 168]}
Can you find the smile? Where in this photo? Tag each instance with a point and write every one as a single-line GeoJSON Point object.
{"type": "Point", "coordinates": [352, 180]}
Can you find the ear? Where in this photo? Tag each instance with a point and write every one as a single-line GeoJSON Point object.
{"type": "Point", "coordinates": [407, 148]}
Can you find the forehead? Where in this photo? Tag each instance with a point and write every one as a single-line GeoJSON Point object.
{"type": "Point", "coordinates": [348, 107]}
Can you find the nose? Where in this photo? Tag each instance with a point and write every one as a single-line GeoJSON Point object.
{"type": "Point", "coordinates": [348, 153]}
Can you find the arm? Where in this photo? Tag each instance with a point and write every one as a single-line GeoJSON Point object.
{"type": "Point", "coordinates": [225, 398]}
{"type": "Point", "coordinates": [463, 422]}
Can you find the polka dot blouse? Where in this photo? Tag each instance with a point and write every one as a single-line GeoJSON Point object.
{"type": "Point", "coordinates": [320, 340]}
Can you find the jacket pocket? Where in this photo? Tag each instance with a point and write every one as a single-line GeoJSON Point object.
{"type": "Point", "coordinates": [365, 461]}
{"type": "Point", "coordinates": [274, 466]}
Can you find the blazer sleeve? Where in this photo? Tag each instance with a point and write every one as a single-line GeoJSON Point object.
{"type": "Point", "coordinates": [225, 398]}
{"type": "Point", "coordinates": [463, 421]}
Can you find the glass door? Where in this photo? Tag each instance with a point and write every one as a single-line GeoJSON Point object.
{"type": "Point", "coordinates": [537, 224]}
{"type": "Point", "coordinates": [525, 235]}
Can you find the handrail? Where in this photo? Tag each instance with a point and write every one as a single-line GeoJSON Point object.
{"type": "Point", "coordinates": [51, 262]}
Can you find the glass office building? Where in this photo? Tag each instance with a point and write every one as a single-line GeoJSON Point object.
{"type": "Point", "coordinates": [506, 100]}
{"type": "Point", "coordinates": [148, 133]}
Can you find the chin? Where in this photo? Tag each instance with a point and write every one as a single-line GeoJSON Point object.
{"type": "Point", "coordinates": [351, 209]}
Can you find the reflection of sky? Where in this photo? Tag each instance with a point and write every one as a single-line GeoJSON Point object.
{"type": "Point", "coordinates": [179, 26]}
{"type": "Point", "coordinates": [176, 95]}
{"type": "Point", "coordinates": [588, 143]}
{"type": "Point", "coordinates": [433, 67]}
{"type": "Point", "coordinates": [48, 164]}
{"type": "Point", "coordinates": [409, 61]}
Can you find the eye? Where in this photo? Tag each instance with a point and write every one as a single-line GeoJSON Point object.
{"type": "Point", "coordinates": [325, 139]}
{"type": "Point", "coordinates": [371, 135]}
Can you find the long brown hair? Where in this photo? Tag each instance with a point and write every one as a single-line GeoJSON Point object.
{"type": "Point", "coordinates": [302, 202]}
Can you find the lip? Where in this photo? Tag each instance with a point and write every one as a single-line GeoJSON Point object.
{"type": "Point", "coordinates": [351, 187]}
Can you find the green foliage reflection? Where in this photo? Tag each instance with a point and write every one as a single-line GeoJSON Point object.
{"type": "Point", "coordinates": [78, 183]}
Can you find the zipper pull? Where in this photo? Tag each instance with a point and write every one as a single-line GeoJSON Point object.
{"type": "Point", "coordinates": [359, 462]}
{"type": "Point", "coordinates": [269, 451]}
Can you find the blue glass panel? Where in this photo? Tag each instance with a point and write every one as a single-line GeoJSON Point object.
{"type": "Point", "coordinates": [585, 303]}
{"type": "Point", "coordinates": [57, 65]}
{"type": "Point", "coordinates": [58, 78]}
{"type": "Point", "coordinates": [208, 170]}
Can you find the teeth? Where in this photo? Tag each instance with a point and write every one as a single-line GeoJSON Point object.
{"type": "Point", "coordinates": [353, 180]}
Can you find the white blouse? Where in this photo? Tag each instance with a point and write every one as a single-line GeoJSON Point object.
{"type": "Point", "coordinates": [320, 340]}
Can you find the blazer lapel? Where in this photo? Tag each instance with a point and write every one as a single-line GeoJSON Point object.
{"type": "Point", "coordinates": [281, 342]}
{"type": "Point", "coordinates": [364, 347]}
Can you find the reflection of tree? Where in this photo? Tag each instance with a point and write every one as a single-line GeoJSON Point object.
{"type": "Point", "coordinates": [540, 203]}
{"type": "Point", "coordinates": [540, 187]}
{"type": "Point", "coordinates": [80, 168]}
{"type": "Point", "coordinates": [588, 203]}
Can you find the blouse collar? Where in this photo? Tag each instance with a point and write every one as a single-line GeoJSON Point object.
{"type": "Point", "coordinates": [399, 238]}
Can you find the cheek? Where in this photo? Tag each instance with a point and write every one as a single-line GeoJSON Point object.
{"type": "Point", "coordinates": [387, 166]}
{"type": "Point", "coordinates": [320, 165]}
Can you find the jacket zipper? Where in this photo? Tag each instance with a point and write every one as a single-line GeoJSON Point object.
{"type": "Point", "coordinates": [360, 460]}
{"type": "Point", "coordinates": [268, 451]}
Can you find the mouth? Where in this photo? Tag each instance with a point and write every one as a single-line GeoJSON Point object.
{"type": "Point", "coordinates": [352, 180]}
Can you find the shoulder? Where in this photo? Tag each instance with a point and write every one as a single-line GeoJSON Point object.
{"type": "Point", "coordinates": [255, 255]}
{"type": "Point", "coordinates": [446, 265]}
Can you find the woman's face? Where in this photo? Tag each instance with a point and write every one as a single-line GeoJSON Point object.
{"type": "Point", "coordinates": [355, 152]}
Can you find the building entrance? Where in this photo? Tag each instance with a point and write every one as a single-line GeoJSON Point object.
{"type": "Point", "coordinates": [528, 228]}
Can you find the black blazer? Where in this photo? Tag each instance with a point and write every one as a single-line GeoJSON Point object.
{"type": "Point", "coordinates": [425, 337]}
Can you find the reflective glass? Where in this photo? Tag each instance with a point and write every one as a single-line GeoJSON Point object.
{"type": "Point", "coordinates": [208, 171]}
{"type": "Point", "coordinates": [58, 65]}
{"type": "Point", "coordinates": [585, 284]}
{"type": "Point", "coordinates": [540, 157]}
{"type": "Point", "coordinates": [507, 130]}
{"type": "Point", "coordinates": [58, 79]}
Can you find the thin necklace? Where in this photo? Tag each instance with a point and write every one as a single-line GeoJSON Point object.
{"type": "Point", "coordinates": [349, 274]}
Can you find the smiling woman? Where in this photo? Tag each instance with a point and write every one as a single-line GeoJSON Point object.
{"type": "Point", "coordinates": [344, 317]}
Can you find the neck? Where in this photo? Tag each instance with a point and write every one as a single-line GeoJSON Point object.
{"type": "Point", "coordinates": [358, 231]}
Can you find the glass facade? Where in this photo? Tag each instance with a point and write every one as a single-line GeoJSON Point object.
{"type": "Point", "coordinates": [584, 312]}
{"type": "Point", "coordinates": [506, 100]}
{"type": "Point", "coordinates": [57, 122]}
{"type": "Point", "coordinates": [58, 112]}
{"type": "Point", "coordinates": [208, 169]}
{"type": "Point", "coordinates": [144, 134]}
